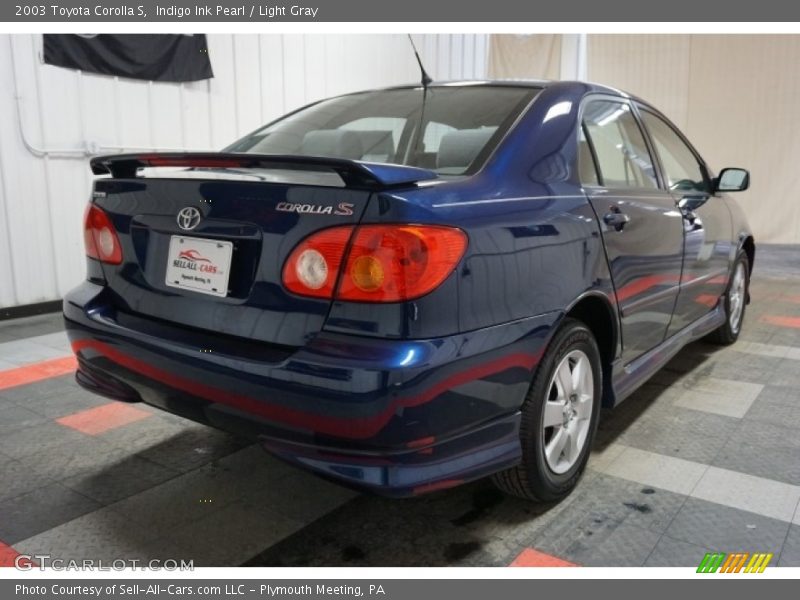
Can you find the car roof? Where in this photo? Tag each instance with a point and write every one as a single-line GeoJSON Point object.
{"type": "Point", "coordinates": [578, 87]}
{"type": "Point", "coordinates": [529, 83]}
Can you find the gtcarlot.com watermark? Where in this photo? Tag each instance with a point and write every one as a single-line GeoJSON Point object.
{"type": "Point", "coordinates": [29, 562]}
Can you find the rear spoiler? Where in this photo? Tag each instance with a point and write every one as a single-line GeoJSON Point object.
{"type": "Point", "coordinates": [354, 173]}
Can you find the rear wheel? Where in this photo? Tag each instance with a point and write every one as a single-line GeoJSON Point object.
{"type": "Point", "coordinates": [735, 301]}
{"type": "Point", "coordinates": [559, 418]}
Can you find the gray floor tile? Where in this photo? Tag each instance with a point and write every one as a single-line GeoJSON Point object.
{"type": "Point", "coordinates": [146, 434]}
{"type": "Point", "coordinates": [301, 496]}
{"type": "Point", "coordinates": [726, 529]}
{"type": "Point", "coordinates": [121, 476]}
{"type": "Point", "coordinates": [465, 525]}
{"type": "Point", "coordinates": [651, 469]}
{"type": "Point", "coordinates": [16, 479]}
{"type": "Point", "coordinates": [609, 498]}
{"type": "Point", "coordinates": [750, 493]}
{"type": "Point", "coordinates": [101, 534]}
{"type": "Point", "coordinates": [727, 397]}
{"type": "Point", "coordinates": [192, 447]}
{"type": "Point", "coordinates": [75, 456]}
{"type": "Point", "coordinates": [669, 552]}
{"type": "Point", "coordinates": [785, 336]}
{"type": "Point", "coordinates": [17, 329]}
{"type": "Point", "coordinates": [178, 501]}
{"type": "Point", "coordinates": [228, 537]}
{"type": "Point", "coordinates": [776, 406]}
{"type": "Point", "coordinates": [765, 450]}
{"type": "Point", "coordinates": [763, 370]}
{"type": "Point", "coordinates": [16, 418]}
{"type": "Point", "coordinates": [24, 394]}
{"type": "Point", "coordinates": [60, 405]}
{"type": "Point", "coordinates": [680, 432]}
{"type": "Point", "coordinates": [24, 352]}
{"type": "Point", "coordinates": [39, 510]}
{"type": "Point", "coordinates": [790, 554]}
{"type": "Point", "coordinates": [612, 545]}
{"type": "Point", "coordinates": [57, 340]}
{"type": "Point", "coordinates": [45, 437]}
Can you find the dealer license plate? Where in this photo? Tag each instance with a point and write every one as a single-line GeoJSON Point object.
{"type": "Point", "coordinates": [199, 265]}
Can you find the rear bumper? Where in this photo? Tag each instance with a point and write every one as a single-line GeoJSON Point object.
{"type": "Point", "coordinates": [398, 417]}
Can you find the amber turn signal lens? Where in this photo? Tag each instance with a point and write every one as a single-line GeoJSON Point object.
{"type": "Point", "coordinates": [367, 273]}
{"type": "Point", "coordinates": [394, 263]}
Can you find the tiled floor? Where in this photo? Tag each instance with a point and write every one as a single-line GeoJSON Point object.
{"type": "Point", "coordinates": [705, 457]}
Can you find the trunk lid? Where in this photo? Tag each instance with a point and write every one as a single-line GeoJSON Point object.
{"type": "Point", "coordinates": [247, 214]}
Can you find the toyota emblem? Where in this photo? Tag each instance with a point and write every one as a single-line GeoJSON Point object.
{"type": "Point", "coordinates": [189, 218]}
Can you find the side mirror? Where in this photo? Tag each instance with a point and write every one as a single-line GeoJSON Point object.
{"type": "Point", "coordinates": [732, 180]}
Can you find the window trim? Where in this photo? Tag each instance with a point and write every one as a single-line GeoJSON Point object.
{"type": "Point", "coordinates": [595, 162]}
{"type": "Point", "coordinates": [600, 97]}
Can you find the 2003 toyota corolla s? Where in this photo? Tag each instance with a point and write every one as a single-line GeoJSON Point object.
{"type": "Point", "coordinates": [410, 288]}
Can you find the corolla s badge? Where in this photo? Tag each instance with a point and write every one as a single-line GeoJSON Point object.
{"type": "Point", "coordinates": [188, 218]}
{"type": "Point", "coordinates": [344, 209]}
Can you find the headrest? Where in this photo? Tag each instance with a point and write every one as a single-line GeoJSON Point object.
{"type": "Point", "coordinates": [459, 148]}
{"type": "Point", "coordinates": [338, 143]}
{"type": "Point", "coordinates": [378, 145]}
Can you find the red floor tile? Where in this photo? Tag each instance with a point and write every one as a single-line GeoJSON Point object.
{"type": "Point", "coordinates": [781, 321]}
{"type": "Point", "coordinates": [7, 555]}
{"type": "Point", "coordinates": [533, 558]}
{"type": "Point", "coordinates": [37, 371]}
{"type": "Point", "coordinates": [103, 418]}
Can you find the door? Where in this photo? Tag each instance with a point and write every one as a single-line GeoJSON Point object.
{"type": "Point", "coordinates": [641, 227]}
{"type": "Point", "coordinates": [706, 222]}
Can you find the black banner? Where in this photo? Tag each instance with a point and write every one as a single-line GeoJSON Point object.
{"type": "Point", "coordinates": [268, 587]}
{"type": "Point", "coordinates": [150, 57]}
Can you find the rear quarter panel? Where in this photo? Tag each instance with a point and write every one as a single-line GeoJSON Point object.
{"type": "Point", "coordinates": [534, 241]}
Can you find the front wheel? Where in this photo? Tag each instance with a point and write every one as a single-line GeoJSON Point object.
{"type": "Point", "coordinates": [735, 301]}
{"type": "Point", "coordinates": [559, 418]}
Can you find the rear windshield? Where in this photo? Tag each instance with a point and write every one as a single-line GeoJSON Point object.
{"type": "Point", "coordinates": [451, 130]}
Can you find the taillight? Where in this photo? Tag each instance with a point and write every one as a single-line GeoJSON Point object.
{"type": "Point", "coordinates": [313, 266]}
{"type": "Point", "coordinates": [385, 263]}
{"type": "Point", "coordinates": [393, 263]}
{"type": "Point", "coordinates": [100, 236]}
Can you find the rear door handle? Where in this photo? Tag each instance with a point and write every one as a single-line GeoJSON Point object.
{"type": "Point", "coordinates": [616, 219]}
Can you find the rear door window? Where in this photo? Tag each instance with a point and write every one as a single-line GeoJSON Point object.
{"type": "Point", "coordinates": [617, 145]}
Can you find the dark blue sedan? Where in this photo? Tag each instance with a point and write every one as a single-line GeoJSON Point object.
{"type": "Point", "coordinates": [410, 288]}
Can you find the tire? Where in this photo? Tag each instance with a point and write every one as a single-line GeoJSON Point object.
{"type": "Point", "coordinates": [545, 473]}
{"type": "Point", "coordinates": [735, 302]}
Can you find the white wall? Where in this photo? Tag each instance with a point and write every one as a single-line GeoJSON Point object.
{"type": "Point", "coordinates": [736, 98]}
{"type": "Point", "coordinates": [70, 115]}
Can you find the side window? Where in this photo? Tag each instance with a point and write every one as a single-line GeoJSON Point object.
{"type": "Point", "coordinates": [682, 170]}
{"type": "Point", "coordinates": [623, 160]}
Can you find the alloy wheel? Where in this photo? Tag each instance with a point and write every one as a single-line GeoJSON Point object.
{"type": "Point", "coordinates": [736, 298]}
{"type": "Point", "coordinates": [568, 411]}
